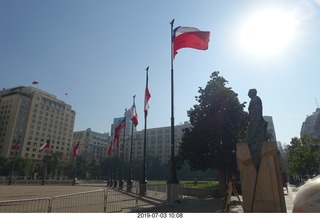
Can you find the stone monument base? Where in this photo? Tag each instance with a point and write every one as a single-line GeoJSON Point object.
{"type": "Point", "coordinates": [262, 191]}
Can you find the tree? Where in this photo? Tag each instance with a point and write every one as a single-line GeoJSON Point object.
{"type": "Point", "coordinates": [218, 123]}
{"type": "Point", "coordinates": [56, 162]}
{"type": "Point", "coordinates": [23, 166]}
{"type": "Point", "coordinates": [4, 166]}
{"type": "Point", "coordinates": [303, 156]}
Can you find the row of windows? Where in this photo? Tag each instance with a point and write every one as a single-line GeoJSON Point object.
{"type": "Point", "coordinates": [29, 143]}
{"type": "Point", "coordinates": [38, 156]}
{"type": "Point", "coordinates": [51, 103]}
{"type": "Point", "coordinates": [5, 112]}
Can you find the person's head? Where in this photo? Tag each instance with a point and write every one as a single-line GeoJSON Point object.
{"type": "Point", "coordinates": [307, 198]}
{"type": "Point", "coordinates": [252, 93]}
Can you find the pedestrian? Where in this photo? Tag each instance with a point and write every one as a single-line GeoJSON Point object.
{"type": "Point", "coordinates": [284, 181]}
{"type": "Point", "coordinates": [307, 198]}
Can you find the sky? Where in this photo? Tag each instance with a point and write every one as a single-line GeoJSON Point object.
{"type": "Point", "coordinates": [98, 52]}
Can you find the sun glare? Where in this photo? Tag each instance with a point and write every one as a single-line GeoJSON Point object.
{"type": "Point", "coordinates": [268, 32]}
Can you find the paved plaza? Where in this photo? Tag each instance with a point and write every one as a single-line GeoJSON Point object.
{"type": "Point", "coordinates": [207, 205]}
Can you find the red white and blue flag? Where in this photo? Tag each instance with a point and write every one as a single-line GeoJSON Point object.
{"type": "Point", "coordinates": [122, 124]}
{"type": "Point", "coordinates": [132, 114]}
{"type": "Point", "coordinates": [110, 148]}
{"type": "Point", "coordinates": [76, 150]}
{"type": "Point", "coordinates": [16, 145]}
{"type": "Point", "coordinates": [46, 145]}
{"type": "Point", "coordinates": [35, 82]}
{"type": "Point", "coordinates": [189, 37]}
{"type": "Point", "coordinates": [146, 98]}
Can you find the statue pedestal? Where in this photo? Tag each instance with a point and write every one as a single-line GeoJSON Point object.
{"type": "Point", "coordinates": [262, 191]}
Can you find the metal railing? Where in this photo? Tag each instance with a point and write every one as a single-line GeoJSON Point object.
{"type": "Point", "coordinates": [37, 205]}
{"type": "Point", "coordinates": [107, 200]}
{"type": "Point", "coordinates": [103, 200]}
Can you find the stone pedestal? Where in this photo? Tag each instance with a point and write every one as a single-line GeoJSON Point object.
{"type": "Point", "coordinates": [262, 191]}
{"type": "Point", "coordinates": [173, 192]}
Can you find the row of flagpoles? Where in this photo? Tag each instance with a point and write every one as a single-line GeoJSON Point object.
{"type": "Point", "coordinates": [181, 37]}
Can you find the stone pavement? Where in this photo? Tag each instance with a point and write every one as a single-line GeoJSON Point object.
{"type": "Point", "coordinates": [211, 205]}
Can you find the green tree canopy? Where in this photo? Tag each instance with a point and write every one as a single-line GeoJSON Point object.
{"type": "Point", "coordinates": [303, 156]}
{"type": "Point", "coordinates": [218, 123]}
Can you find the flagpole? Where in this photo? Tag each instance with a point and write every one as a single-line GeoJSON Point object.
{"type": "Point", "coordinates": [129, 181]}
{"type": "Point", "coordinates": [143, 181]}
{"type": "Point", "coordinates": [173, 173]}
{"type": "Point", "coordinates": [111, 167]}
{"type": "Point", "coordinates": [115, 184]}
{"type": "Point", "coordinates": [75, 165]}
{"type": "Point", "coordinates": [13, 162]}
{"type": "Point", "coordinates": [75, 172]}
{"type": "Point", "coordinates": [122, 154]}
{"type": "Point", "coordinates": [172, 188]}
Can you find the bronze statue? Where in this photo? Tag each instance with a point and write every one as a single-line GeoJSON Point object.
{"type": "Point", "coordinates": [257, 128]}
{"type": "Point", "coordinates": [259, 164]}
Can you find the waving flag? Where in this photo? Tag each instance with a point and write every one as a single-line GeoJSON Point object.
{"type": "Point", "coordinates": [16, 145]}
{"type": "Point", "coordinates": [35, 82]}
{"type": "Point", "coordinates": [147, 97]}
{"type": "Point", "coordinates": [132, 114]}
{"type": "Point", "coordinates": [76, 150]}
{"type": "Point", "coordinates": [46, 145]}
{"type": "Point", "coordinates": [122, 124]}
{"type": "Point", "coordinates": [110, 148]}
{"type": "Point", "coordinates": [189, 37]}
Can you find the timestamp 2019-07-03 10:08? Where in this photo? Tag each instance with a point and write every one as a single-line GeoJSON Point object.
{"type": "Point", "coordinates": [160, 215]}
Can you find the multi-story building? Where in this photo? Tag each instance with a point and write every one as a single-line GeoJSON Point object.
{"type": "Point", "coordinates": [158, 143]}
{"type": "Point", "coordinates": [92, 143]}
{"type": "Point", "coordinates": [270, 127]}
{"type": "Point", "coordinates": [311, 126]}
{"type": "Point", "coordinates": [129, 128]}
{"type": "Point", "coordinates": [33, 116]}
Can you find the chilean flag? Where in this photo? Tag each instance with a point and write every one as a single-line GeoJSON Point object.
{"type": "Point", "coordinates": [46, 145]}
{"type": "Point", "coordinates": [146, 98]}
{"type": "Point", "coordinates": [35, 82]}
{"type": "Point", "coordinates": [16, 145]}
{"type": "Point", "coordinates": [122, 124]}
{"type": "Point", "coordinates": [76, 150]}
{"type": "Point", "coordinates": [132, 114]}
{"type": "Point", "coordinates": [110, 148]}
{"type": "Point", "coordinates": [189, 37]}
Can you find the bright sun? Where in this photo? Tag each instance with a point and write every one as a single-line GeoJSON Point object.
{"type": "Point", "coordinates": [268, 32]}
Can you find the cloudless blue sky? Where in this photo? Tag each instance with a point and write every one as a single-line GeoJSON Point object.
{"type": "Point", "coordinates": [97, 51]}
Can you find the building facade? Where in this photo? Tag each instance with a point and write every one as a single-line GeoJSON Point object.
{"type": "Point", "coordinates": [311, 126]}
{"type": "Point", "coordinates": [158, 143]}
{"type": "Point", "coordinates": [92, 143]}
{"type": "Point", "coordinates": [31, 117]}
{"type": "Point", "coordinates": [270, 127]}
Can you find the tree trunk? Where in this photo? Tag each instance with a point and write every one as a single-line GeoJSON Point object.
{"type": "Point", "coordinates": [222, 182]}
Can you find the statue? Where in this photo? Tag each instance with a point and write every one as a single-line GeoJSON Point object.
{"type": "Point", "coordinates": [259, 164]}
{"type": "Point", "coordinates": [257, 128]}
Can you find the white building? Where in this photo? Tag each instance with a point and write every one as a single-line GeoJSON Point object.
{"type": "Point", "coordinates": [158, 143]}
{"type": "Point", "coordinates": [311, 126]}
{"type": "Point", "coordinates": [270, 127]}
{"type": "Point", "coordinates": [34, 116]}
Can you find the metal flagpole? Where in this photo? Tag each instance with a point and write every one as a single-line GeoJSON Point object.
{"type": "Point", "coordinates": [14, 160]}
{"type": "Point", "coordinates": [75, 171]}
{"type": "Point", "coordinates": [75, 165]}
{"type": "Point", "coordinates": [115, 184]}
{"type": "Point", "coordinates": [143, 181]}
{"type": "Point", "coordinates": [111, 166]}
{"type": "Point", "coordinates": [129, 181]}
{"type": "Point", "coordinates": [171, 193]}
{"type": "Point", "coordinates": [122, 154]}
